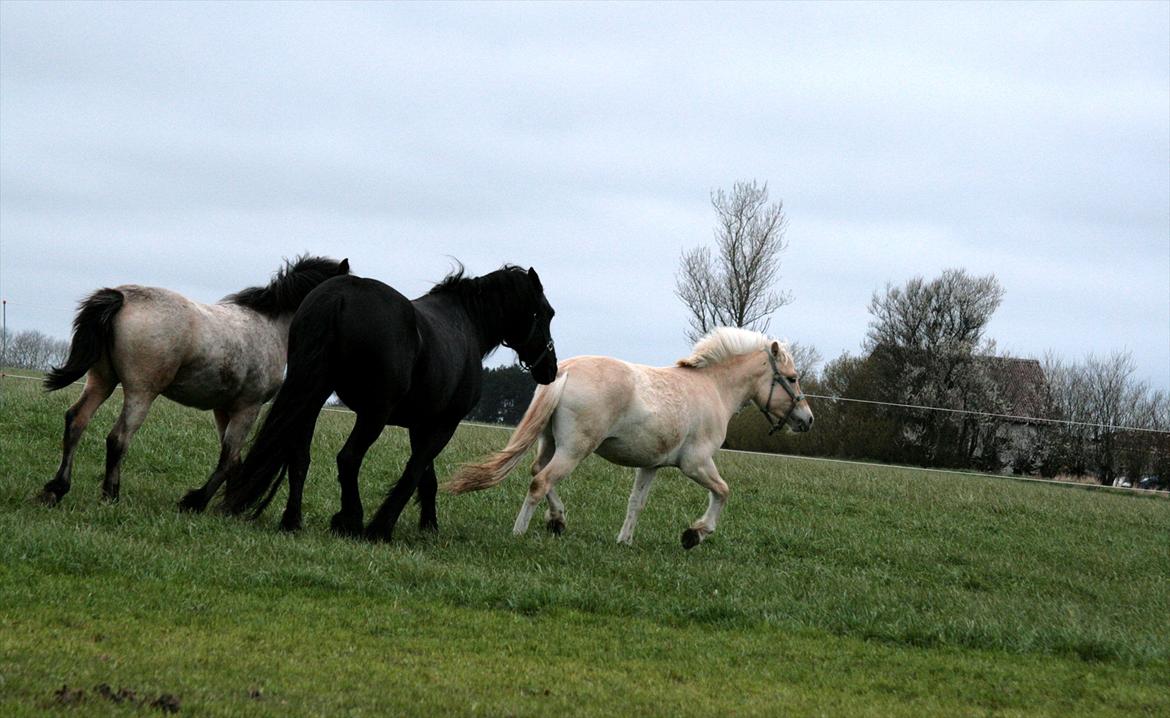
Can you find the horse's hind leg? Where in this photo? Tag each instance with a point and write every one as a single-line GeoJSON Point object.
{"type": "Point", "coordinates": [705, 474]}
{"type": "Point", "coordinates": [642, 480]}
{"type": "Point", "coordinates": [135, 406]}
{"type": "Point", "coordinates": [298, 469]}
{"type": "Point", "coordinates": [366, 430]}
{"type": "Point", "coordinates": [546, 448]}
{"type": "Point", "coordinates": [233, 431]}
{"type": "Point", "coordinates": [554, 517]}
{"type": "Point", "coordinates": [560, 466]}
{"type": "Point", "coordinates": [97, 389]}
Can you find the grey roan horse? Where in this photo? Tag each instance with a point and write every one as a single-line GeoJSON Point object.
{"type": "Point", "coordinates": [228, 357]}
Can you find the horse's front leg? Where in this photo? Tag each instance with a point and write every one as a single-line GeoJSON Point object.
{"type": "Point", "coordinates": [706, 475]}
{"type": "Point", "coordinates": [428, 490]}
{"type": "Point", "coordinates": [233, 431]}
{"type": "Point", "coordinates": [643, 478]}
{"type": "Point", "coordinates": [425, 445]}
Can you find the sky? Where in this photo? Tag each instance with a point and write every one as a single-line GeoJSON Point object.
{"type": "Point", "coordinates": [193, 146]}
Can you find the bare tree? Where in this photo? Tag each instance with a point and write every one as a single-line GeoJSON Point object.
{"type": "Point", "coordinates": [1113, 397]}
{"type": "Point", "coordinates": [926, 338]}
{"type": "Point", "coordinates": [30, 349]}
{"type": "Point", "coordinates": [807, 359]}
{"type": "Point", "coordinates": [734, 286]}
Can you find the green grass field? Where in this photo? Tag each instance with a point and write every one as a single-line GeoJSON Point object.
{"type": "Point", "coordinates": [828, 590]}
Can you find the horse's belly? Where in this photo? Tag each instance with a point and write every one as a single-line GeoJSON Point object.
{"type": "Point", "coordinates": [636, 453]}
{"type": "Point", "coordinates": [201, 395]}
{"type": "Point", "coordinates": [211, 387]}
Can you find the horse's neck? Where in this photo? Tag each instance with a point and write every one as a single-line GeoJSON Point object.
{"type": "Point", "coordinates": [736, 379]}
{"type": "Point", "coordinates": [485, 331]}
{"type": "Point", "coordinates": [487, 323]}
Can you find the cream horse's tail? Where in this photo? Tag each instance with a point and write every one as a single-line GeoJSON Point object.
{"type": "Point", "coordinates": [493, 470]}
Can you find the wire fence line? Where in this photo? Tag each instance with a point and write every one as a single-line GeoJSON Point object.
{"type": "Point", "coordinates": [1012, 417]}
{"type": "Point", "coordinates": [795, 457]}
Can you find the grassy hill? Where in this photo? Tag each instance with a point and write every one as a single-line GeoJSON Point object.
{"type": "Point", "coordinates": [828, 589]}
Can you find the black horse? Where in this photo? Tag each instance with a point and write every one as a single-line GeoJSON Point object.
{"type": "Point", "coordinates": [415, 364]}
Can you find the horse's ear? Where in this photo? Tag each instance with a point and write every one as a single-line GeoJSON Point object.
{"type": "Point", "coordinates": [343, 268]}
{"type": "Point", "coordinates": [776, 349]}
{"type": "Point", "coordinates": [535, 279]}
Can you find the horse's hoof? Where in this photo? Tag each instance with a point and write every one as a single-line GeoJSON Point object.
{"type": "Point", "coordinates": [691, 538]}
{"type": "Point", "coordinates": [48, 498]}
{"type": "Point", "coordinates": [110, 496]}
{"type": "Point", "coordinates": [342, 525]}
{"type": "Point", "coordinates": [375, 534]}
{"type": "Point", "coordinates": [556, 526]}
{"type": "Point", "coordinates": [431, 527]}
{"type": "Point", "coordinates": [193, 501]}
{"type": "Point", "coordinates": [290, 524]}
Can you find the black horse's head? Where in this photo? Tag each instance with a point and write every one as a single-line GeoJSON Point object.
{"type": "Point", "coordinates": [527, 329]}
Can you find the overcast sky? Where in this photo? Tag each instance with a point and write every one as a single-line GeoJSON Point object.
{"type": "Point", "coordinates": [193, 146]}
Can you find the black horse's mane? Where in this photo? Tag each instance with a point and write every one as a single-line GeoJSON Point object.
{"type": "Point", "coordinates": [289, 285]}
{"type": "Point", "coordinates": [458, 283]}
{"type": "Point", "coordinates": [494, 298]}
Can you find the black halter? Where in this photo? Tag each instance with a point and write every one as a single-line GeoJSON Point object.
{"type": "Point", "coordinates": [527, 366]}
{"type": "Point", "coordinates": [778, 378]}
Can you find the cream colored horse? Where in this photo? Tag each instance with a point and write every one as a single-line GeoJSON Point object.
{"type": "Point", "coordinates": [646, 417]}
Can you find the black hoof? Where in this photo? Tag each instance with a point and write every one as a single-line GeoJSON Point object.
{"type": "Point", "coordinates": [193, 501]}
{"type": "Point", "coordinates": [290, 523]}
{"type": "Point", "coordinates": [47, 497]}
{"type": "Point", "coordinates": [556, 526]}
{"type": "Point", "coordinates": [429, 526]}
{"type": "Point", "coordinates": [375, 534]}
{"type": "Point", "coordinates": [345, 525]}
{"type": "Point", "coordinates": [110, 495]}
{"type": "Point", "coordinates": [691, 538]}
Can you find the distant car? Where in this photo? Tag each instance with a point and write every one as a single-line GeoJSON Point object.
{"type": "Point", "coordinates": [1148, 482]}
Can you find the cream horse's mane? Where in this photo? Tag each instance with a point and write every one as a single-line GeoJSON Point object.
{"type": "Point", "coordinates": [723, 343]}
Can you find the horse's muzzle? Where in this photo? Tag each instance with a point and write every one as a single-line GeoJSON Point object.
{"type": "Point", "coordinates": [546, 371]}
{"type": "Point", "coordinates": [800, 424]}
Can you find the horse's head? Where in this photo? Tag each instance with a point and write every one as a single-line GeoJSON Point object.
{"type": "Point", "coordinates": [528, 331]}
{"type": "Point", "coordinates": [778, 393]}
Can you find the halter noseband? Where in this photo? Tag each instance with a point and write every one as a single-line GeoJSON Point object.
{"type": "Point", "coordinates": [527, 366]}
{"type": "Point", "coordinates": [778, 378]}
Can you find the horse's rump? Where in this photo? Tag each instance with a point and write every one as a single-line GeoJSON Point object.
{"type": "Point", "coordinates": [93, 333]}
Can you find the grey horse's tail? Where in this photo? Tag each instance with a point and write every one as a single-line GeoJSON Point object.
{"type": "Point", "coordinates": [288, 427]}
{"type": "Point", "coordinates": [495, 468]}
{"type": "Point", "coordinates": [93, 332]}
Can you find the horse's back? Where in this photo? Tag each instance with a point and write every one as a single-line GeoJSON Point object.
{"type": "Point", "coordinates": [372, 333]}
{"type": "Point", "coordinates": [200, 355]}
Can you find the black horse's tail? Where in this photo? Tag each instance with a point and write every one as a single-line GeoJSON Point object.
{"type": "Point", "coordinates": [93, 332]}
{"type": "Point", "coordinates": [288, 428]}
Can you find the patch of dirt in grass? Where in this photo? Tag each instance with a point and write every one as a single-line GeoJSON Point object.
{"type": "Point", "coordinates": [66, 696]}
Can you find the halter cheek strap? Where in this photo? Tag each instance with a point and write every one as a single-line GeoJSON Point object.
{"type": "Point", "coordinates": [778, 379]}
{"type": "Point", "coordinates": [527, 366]}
